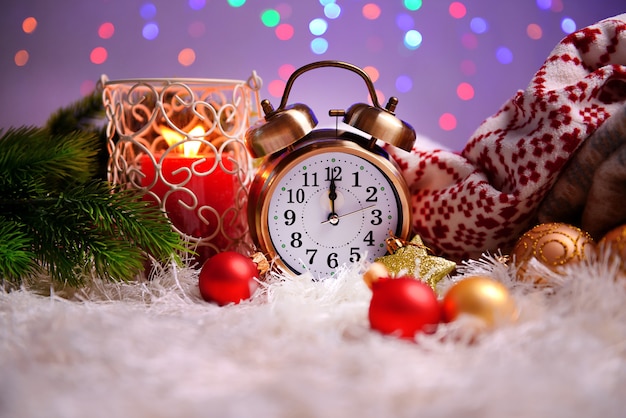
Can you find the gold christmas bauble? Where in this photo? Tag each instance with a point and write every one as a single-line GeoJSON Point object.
{"type": "Point", "coordinates": [482, 297]}
{"type": "Point", "coordinates": [375, 272]}
{"type": "Point", "coordinates": [553, 245]}
{"type": "Point", "coordinates": [614, 242]}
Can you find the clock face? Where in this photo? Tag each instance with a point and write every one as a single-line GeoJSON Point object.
{"type": "Point", "coordinates": [329, 208]}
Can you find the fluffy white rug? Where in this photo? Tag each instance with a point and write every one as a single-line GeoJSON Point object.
{"type": "Point", "coordinates": [304, 349]}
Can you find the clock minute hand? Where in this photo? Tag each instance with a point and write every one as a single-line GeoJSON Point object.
{"type": "Point", "coordinates": [336, 218]}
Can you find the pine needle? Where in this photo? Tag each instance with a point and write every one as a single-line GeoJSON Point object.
{"type": "Point", "coordinates": [32, 153]}
{"type": "Point", "coordinates": [56, 215]}
{"type": "Point", "coordinates": [85, 115]}
{"type": "Point", "coordinates": [15, 257]}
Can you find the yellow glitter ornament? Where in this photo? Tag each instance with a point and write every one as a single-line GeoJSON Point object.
{"type": "Point", "coordinates": [412, 258]}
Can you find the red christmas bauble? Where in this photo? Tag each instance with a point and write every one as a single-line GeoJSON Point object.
{"type": "Point", "coordinates": [228, 277]}
{"type": "Point", "coordinates": [403, 306]}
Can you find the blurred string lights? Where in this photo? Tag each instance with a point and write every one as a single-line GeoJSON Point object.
{"type": "Point", "coordinates": [279, 20]}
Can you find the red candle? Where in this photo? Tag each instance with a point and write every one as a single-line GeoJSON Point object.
{"type": "Point", "coordinates": [200, 198]}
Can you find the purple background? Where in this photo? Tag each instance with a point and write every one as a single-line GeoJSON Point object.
{"type": "Point", "coordinates": [231, 42]}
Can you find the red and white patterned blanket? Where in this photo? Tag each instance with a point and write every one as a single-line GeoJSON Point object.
{"type": "Point", "coordinates": [526, 163]}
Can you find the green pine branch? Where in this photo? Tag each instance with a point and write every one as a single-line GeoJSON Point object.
{"type": "Point", "coordinates": [15, 258]}
{"type": "Point", "coordinates": [33, 157]}
{"type": "Point", "coordinates": [57, 216]}
{"type": "Point", "coordinates": [85, 115]}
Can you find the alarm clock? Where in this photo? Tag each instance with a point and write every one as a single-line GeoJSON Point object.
{"type": "Point", "coordinates": [324, 197]}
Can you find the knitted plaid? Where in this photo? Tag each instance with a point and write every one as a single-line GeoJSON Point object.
{"type": "Point", "coordinates": [484, 198]}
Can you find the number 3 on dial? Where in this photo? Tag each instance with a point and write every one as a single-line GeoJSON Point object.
{"type": "Point", "coordinates": [327, 203]}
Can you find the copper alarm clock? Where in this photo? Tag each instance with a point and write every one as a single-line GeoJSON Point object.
{"type": "Point", "coordinates": [322, 198]}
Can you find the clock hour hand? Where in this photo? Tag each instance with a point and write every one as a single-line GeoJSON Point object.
{"type": "Point", "coordinates": [332, 195]}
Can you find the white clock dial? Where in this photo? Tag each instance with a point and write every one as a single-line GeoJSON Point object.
{"type": "Point", "coordinates": [331, 208]}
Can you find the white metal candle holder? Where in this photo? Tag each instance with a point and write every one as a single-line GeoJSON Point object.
{"type": "Point", "coordinates": [181, 142]}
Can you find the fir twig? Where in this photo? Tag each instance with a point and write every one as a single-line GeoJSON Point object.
{"type": "Point", "coordinates": [85, 115]}
{"type": "Point", "coordinates": [15, 257]}
{"type": "Point", "coordinates": [33, 157]}
{"type": "Point", "coordinates": [76, 241]}
{"type": "Point", "coordinates": [55, 216]}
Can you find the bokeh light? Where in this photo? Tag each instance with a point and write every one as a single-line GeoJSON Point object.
{"type": "Point", "coordinates": [186, 57]}
{"type": "Point", "coordinates": [396, 40]}
{"type": "Point", "coordinates": [21, 58]}
{"type": "Point", "coordinates": [148, 11]}
{"type": "Point", "coordinates": [557, 6]}
{"type": "Point", "coordinates": [469, 41]}
{"type": "Point", "coordinates": [372, 73]}
{"type": "Point", "coordinates": [457, 10]}
{"type": "Point", "coordinates": [197, 4]}
{"type": "Point", "coordinates": [87, 87]}
{"type": "Point", "coordinates": [106, 30]}
{"type": "Point", "coordinates": [568, 25]}
{"type": "Point", "coordinates": [412, 39]}
{"type": "Point", "coordinates": [29, 25]}
{"type": "Point", "coordinates": [405, 22]}
{"type": "Point", "coordinates": [504, 55]}
{"type": "Point", "coordinates": [404, 83]}
{"type": "Point", "coordinates": [380, 96]}
{"type": "Point", "coordinates": [468, 67]}
{"type": "Point", "coordinates": [270, 18]}
{"type": "Point", "coordinates": [534, 31]}
{"type": "Point", "coordinates": [319, 46]}
{"type": "Point", "coordinates": [374, 43]}
{"type": "Point", "coordinates": [284, 9]}
{"type": "Point", "coordinates": [284, 31]}
{"type": "Point", "coordinates": [371, 11]}
{"type": "Point", "coordinates": [465, 91]}
{"type": "Point", "coordinates": [552, 5]}
{"type": "Point", "coordinates": [544, 4]}
{"type": "Point", "coordinates": [318, 26]}
{"type": "Point", "coordinates": [479, 25]}
{"type": "Point", "coordinates": [98, 55]}
{"type": "Point", "coordinates": [285, 71]}
{"type": "Point", "coordinates": [276, 88]}
{"type": "Point", "coordinates": [447, 122]}
{"type": "Point", "coordinates": [332, 10]}
{"type": "Point", "coordinates": [413, 4]}
{"type": "Point", "coordinates": [196, 29]}
{"type": "Point", "coordinates": [236, 3]}
{"type": "Point", "coordinates": [150, 31]}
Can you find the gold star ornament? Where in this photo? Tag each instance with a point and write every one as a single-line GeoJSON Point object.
{"type": "Point", "coordinates": [412, 258]}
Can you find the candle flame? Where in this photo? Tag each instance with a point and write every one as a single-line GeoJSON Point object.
{"type": "Point", "coordinates": [190, 147]}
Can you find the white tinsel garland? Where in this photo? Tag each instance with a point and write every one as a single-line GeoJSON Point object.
{"type": "Point", "coordinates": [303, 348]}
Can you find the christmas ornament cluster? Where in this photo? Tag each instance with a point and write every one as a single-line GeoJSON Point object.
{"type": "Point", "coordinates": [405, 301]}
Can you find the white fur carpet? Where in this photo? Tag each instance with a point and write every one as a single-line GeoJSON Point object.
{"type": "Point", "coordinates": [304, 349]}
